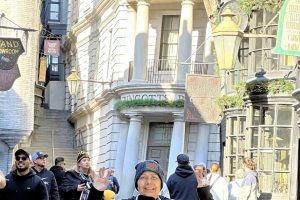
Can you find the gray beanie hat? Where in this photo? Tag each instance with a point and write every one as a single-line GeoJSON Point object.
{"type": "Point", "coordinates": [148, 165]}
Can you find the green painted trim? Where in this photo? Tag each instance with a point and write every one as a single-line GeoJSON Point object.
{"type": "Point", "coordinates": [278, 48]}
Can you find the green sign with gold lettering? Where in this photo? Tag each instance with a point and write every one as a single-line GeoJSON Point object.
{"type": "Point", "coordinates": [288, 34]}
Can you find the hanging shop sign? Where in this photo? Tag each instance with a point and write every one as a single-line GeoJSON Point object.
{"type": "Point", "coordinates": [43, 68]}
{"type": "Point", "coordinates": [201, 93]}
{"type": "Point", "coordinates": [52, 47]}
{"type": "Point", "coordinates": [288, 34]}
{"type": "Point", "coordinates": [10, 50]}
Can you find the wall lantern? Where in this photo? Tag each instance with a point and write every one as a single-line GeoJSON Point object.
{"type": "Point", "coordinates": [227, 39]}
{"type": "Point", "coordinates": [73, 82]}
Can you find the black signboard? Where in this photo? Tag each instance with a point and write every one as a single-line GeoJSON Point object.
{"type": "Point", "coordinates": [10, 50]}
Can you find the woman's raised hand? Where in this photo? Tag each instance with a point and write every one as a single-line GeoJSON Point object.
{"type": "Point", "coordinates": [101, 181]}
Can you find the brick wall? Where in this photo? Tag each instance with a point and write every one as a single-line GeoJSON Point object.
{"type": "Point", "coordinates": [17, 104]}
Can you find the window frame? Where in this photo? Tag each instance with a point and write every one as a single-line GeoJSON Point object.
{"type": "Point", "coordinates": [168, 60]}
{"type": "Point", "coordinates": [58, 3]}
{"type": "Point", "coordinates": [256, 151]}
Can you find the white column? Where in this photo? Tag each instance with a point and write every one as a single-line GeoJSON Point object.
{"type": "Point", "coordinates": [185, 39]}
{"type": "Point", "coordinates": [131, 32]}
{"type": "Point", "coordinates": [141, 41]}
{"type": "Point", "coordinates": [131, 156]}
{"type": "Point", "coordinates": [177, 142]}
{"type": "Point", "coordinates": [202, 144]}
{"type": "Point", "coordinates": [131, 27]}
{"type": "Point", "coordinates": [121, 150]}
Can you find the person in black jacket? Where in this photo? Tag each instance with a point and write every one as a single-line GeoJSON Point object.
{"type": "Point", "coordinates": [81, 183]}
{"type": "Point", "coordinates": [22, 183]}
{"type": "Point", "coordinates": [58, 169]}
{"type": "Point", "coordinates": [39, 161]}
{"type": "Point", "coordinates": [148, 181]}
{"type": "Point", "coordinates": [183, 183]}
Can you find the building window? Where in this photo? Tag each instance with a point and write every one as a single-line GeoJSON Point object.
{"type": "Point", "coordinates": [260, 55]}
{"type": "Point", "coordinates": [169, 42]}
{"type": "Point", "coordinates": [235, 145]}
{"type": "Point", "coordinates": [54, 10]}
{"type": "Point", "coordinates": [54, 63]}
{"type": "Point", "coordinates": [270, 136]}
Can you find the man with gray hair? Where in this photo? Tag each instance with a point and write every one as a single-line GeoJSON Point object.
{"type": "Point", "coordinates": [203, 187]}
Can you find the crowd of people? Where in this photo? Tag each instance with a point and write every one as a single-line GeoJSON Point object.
{"type": "Point", "coordinates": [30, 180]}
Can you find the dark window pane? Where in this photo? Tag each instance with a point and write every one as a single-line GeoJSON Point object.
{"type": "Point", "coordinates": [233, 145]}
{"type": "Point", "coordinates": [283, 138]}
{"type": "Point", "coordinates": [284, 115]}
{"type": "Point", "coordinates": [282, 158]}
{"type": "Point", "coordinates": [254, 138]}
{"type": "Point", "coordinates": [268, 115]}
{"type": "Point", "coordinates": [232, 163]}
{"type": "Point", "coordinates": [267, 137]}
{"type": "Point", "coordinates": [256, 115]}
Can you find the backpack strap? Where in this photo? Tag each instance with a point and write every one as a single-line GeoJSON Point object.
{"type": "Point", "coordinates": [214, 181]}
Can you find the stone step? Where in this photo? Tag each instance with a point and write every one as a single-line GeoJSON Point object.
{"type": "Point", "coordinates": [54, 123]}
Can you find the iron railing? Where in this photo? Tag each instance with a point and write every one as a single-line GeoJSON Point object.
{"type": "Point", "coordinates": [161, 71]}
{"type": "Point", "coordinates": [164, 70]}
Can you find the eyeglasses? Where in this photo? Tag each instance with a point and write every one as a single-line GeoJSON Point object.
{"type": "Point", "coordinates": [146, 178]}
{"type": "Point", "coordinates": [18, 158]}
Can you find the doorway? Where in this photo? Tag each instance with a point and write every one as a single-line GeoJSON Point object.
{"type": "Point", "coordinates": [159, 142]}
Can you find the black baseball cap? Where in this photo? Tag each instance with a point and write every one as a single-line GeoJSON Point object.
{"type": "Point", "coordinates": [22, 151]}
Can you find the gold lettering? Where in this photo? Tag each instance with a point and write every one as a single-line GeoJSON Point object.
{"type": "Point", "coordinates": [9, 51]}
{"type": "Point", "coordinates": [294, 47]}
{"type": "Point", "coordinates": [293, 8]}
{"type": "Point", "coordinates": [293, 25]}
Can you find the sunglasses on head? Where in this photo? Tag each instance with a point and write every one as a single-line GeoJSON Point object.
{"type": "Point", "coordinates": [21, 158]}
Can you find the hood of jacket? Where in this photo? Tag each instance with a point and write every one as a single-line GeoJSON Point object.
{"type": "Point", "coordinates": [16, 176]}
{"type": "Point", "coordinates": [184, 171]}
{"type": "Point", "coordinates": [56, 168]}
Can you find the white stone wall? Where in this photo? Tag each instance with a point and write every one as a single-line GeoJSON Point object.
{"type": "Point", "coordinates": [102, 53]}
{"type": "Point", "coordinates": [17, 104]}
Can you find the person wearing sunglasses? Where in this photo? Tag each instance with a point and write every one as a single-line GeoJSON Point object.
{"type": "Point", "coordinates": [39, 161]}
{"type": "Point", "coordinates": [22, 183]}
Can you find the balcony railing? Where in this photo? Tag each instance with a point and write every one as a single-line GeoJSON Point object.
{"type": "Point", "coordinates": [161, 71]}
{"type": "Point", "coordinates": [164, 70]}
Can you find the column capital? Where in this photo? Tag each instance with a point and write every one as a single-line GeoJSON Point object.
{"type": "Point", "coordinates": [186, 2]}
{"type": "Point", "coordinates": [143, 2]}
{"type": "Point", "coordinates": [178, 116]}
{"type": "Point", "coordinates": [134, 116]}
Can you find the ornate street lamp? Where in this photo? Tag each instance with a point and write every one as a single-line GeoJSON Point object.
{"type": "Point", "coordinates": [227, 39]}
{"type": "Point", "coordinates": [73, 82]}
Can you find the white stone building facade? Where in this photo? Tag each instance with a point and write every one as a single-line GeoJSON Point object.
{"type": "Point", "coordinates": [137, 49]}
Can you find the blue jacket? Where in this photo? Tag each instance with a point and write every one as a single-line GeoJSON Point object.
{"type": "Point", "coordinates": [50, 182]}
